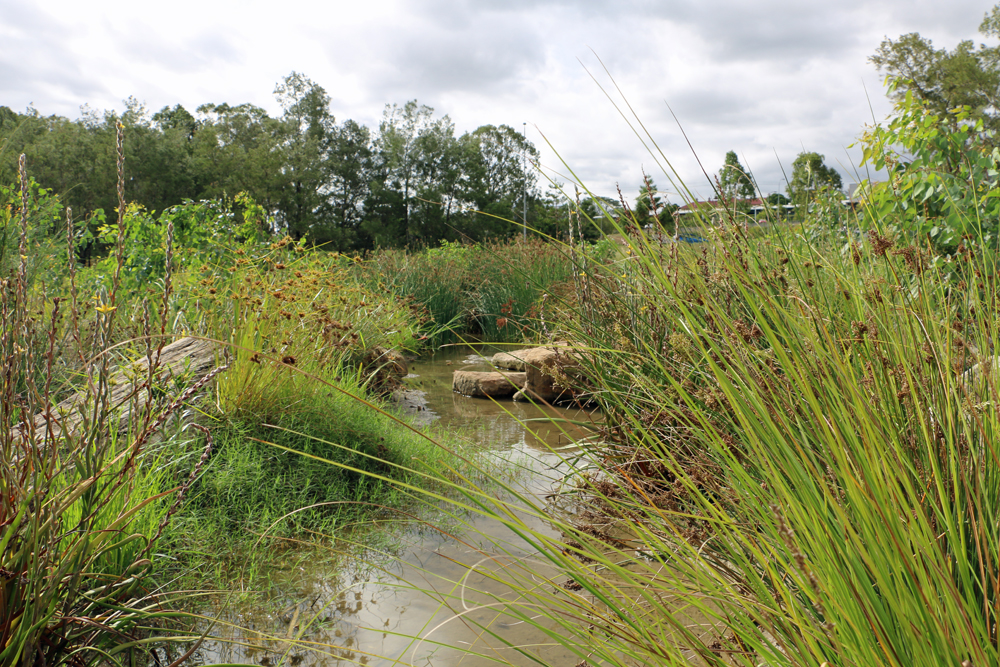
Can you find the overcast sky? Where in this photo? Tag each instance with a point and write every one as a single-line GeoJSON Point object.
{"type": "Point", "coordinates": [767, 79]}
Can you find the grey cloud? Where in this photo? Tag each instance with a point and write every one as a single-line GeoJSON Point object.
{"type": "Point", "coordinates": [407, 60]}
{"type": "Point", "coordinates": [776, 31]}
{"type": "Point", "coordinates": [37, 66]}
{"type": "Point", "coordinates": [184, 56]}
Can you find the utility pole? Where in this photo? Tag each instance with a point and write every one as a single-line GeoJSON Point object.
{"type": "Point", "coordinates": [524, 183]}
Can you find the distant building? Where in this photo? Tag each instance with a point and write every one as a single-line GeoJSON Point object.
{"type": "Point", "coordinates": [713, 208]}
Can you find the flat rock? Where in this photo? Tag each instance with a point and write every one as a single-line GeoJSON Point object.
{"type": "Point", "coordinates": [487, 384]}
{"type": "Point", "coordinates": [511, 361]}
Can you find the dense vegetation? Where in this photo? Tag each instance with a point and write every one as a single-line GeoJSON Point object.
{"type": "Point", "coordinates": [144, 478]}
{"type": "Point", "coordinates": [798, 460]}
{"type": "Point", "coordinates": [410, 181]}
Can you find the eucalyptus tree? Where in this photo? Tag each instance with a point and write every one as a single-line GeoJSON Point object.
{"type": "Point", "coordinates": [499, 174]}
{"type": "Point", "coordinates": [414, 171]}
{"type": "Point", "coordinates": [734, 180]}
{"type": "Point", "coordinates": [239, 149]}
{"type": "Point", "coordinates": [810, 176]}
{"type": "Point", "coordinates": [307, 130]}
{"type": "Point", "coordinates": [348, 165]}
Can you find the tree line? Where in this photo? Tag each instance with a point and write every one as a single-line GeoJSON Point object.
{"type": "Point", "coordinates": [349, 187]}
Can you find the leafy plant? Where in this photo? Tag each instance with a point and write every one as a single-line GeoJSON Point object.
{"type": "Point", "coordinates": [942, 174]}
{"type": "Point", "coordinates": [80, 515]}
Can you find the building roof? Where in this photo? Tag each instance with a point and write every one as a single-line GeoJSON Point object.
{"type": "Point", "coordinates": [713, 204]}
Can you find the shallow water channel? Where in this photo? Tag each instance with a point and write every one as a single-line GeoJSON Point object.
{"type": "Point", "coordinates": [417, 581]}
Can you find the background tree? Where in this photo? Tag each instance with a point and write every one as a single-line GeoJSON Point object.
{"type": "Point", "coordinates": [306, 135]}
{"type": "Point", "coordinates": [498, 175]}
{"type": "Point", "coordinates": [651, 209]}
{"type": "Point", "coordinates": [239, 149]}
{"type": "Point", "coordinates": [349, 173]}
{"type": "Point", "coordinates": [405, 167]}
{"type": "Point", "coordinates": [344, 186]}
{"type": "Point", "coordinates": [810, 176]}
{"type": "Point", "coordinates": [734, 180]}
{"type": "Point", "coordinates": [648, 203]}
{"type": "Point", "coordinates": [943, 79]}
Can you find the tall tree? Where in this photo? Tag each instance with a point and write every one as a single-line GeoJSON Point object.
{"type": "Point", "coordinates": [498, 176]}
{"type": "Point", "coordinates": [414, 153]}
{"type": "Point", "coordinates": [648, 203]}
{"type": "Point", "coordinates": [306, 132]}
{"type": "Point", "coordinates": [239, 149]}
{"type": "Point", "coordinates": [809, 176]}
{"type": "Point", "coordinates": [348, 183]}
{"type": "Point", "coordinates": [734, 180]}
{"type": "Point", "coordinates": [967, 75]}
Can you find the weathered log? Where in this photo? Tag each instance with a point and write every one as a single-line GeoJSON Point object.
{"type": "Point", "coordinates": [180, 365]}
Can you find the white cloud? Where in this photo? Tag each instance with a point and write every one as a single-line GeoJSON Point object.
{"type": "Point", "coordinates": [761, 78]}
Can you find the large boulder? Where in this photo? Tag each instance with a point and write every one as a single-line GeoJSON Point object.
{"type": "Point", "coordinates": [545, 370]}
{"type": "Point", "coordinates": [491, 384]}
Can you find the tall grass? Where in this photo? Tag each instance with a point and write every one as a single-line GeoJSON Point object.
{"type": "Point", "coordinates": [492, 290]}
{"type": "Point", "coordinates": [803, 435]}
{"type": "Point", "coordinates": [799, 466]}
{"type": "Point", "coordinates": [80, 514]}
{"type": "Point", "coordinates": [799, 461]}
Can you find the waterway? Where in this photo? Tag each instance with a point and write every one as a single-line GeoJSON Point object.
{"type": "Point", "coordinates": [439, 589]}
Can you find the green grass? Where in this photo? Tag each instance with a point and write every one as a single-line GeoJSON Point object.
{"type": "Point", "coordinates": [491, 290]}
{"type": "Point", "coordinates": [321, 461]}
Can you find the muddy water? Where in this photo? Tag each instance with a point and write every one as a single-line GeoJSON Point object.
{"type": "Point", "coordinates": [426, 590]}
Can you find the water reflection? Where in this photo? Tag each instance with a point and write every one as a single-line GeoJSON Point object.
{"type": "Point", "coordinates": [447, 586]}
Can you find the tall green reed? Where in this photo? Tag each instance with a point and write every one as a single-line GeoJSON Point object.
{"type": "Point", "coordinates": [799, 448]}
{"type": "Point", "coordinates": [798, 463]}
{"type": "Point", "coordinates": [80, 515]}
{"type": "Point", "coordinates": [492, 290]}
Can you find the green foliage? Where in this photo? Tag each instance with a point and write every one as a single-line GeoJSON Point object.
{"type": "Point", "coordinates": [82, 499]}
{"type": "Point", "coordinates": [794, 447]}
{"type": "Point", "coordinates": [44, 216]}
{"type": "Point", "coordinates": [492, 290]}
{"type": "Point", "coordinates": [942, 175]}
{"type": "Point", "coordinates": [734, 180]}
{"type": "Point", "coordinates": [341, 185]}
{"type": "Point", "coordinates": [649, 208]}
{"type": "Point", "coordinates": [810, 178]}
{"type": "Point", "coordinates": [777, 199]}
{"type": "Point", "coordinates": [967, 76]}
{"type": "Point", "coordinates": [312, 457]}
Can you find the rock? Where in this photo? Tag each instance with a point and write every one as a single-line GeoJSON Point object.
{"type": "Point", "coordinates": [512, 361]}
{"type": "Point", "coordinates": [544, 368]}
{"type": "Point", "coordinates": [391, 361]}
{"type": "Point", "coordinates": [491, 384]}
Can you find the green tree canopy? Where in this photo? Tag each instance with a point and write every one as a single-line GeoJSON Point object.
{"type": "Point", "coordinates": [650, 207]}
{"type": "Point", "coordinates": [810, 176]}
{"type": "Point", "coordinates": [734, 180]}
{"type": "Point", "coordinates": [342, 185]}
{"type": "Point", "coordinates": [967, 75]}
